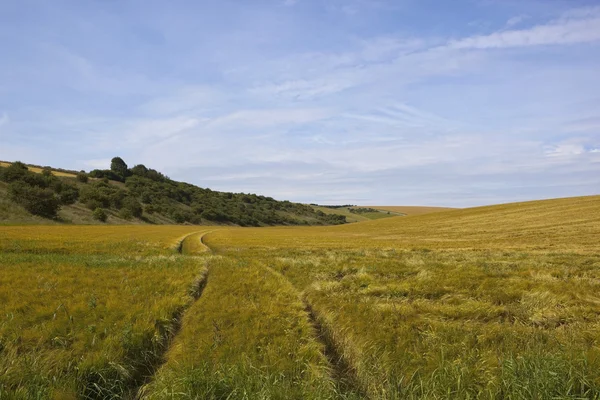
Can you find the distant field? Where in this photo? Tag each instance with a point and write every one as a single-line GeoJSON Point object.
{"type": "Point", "coordinates": [411, 210]}
{"type": "Point", "coordinates": [354, 217]}
{"type": "Point", "coordinates": [39, 170]}
{"type": "Point", "coordinates": [489, 303]}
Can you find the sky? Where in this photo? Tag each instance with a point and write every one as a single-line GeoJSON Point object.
{"type": "Point", "coordinates": [369, 102]}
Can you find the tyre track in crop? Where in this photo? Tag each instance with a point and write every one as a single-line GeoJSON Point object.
{"type": "Point", "coordinates": [169, 331]}
{"type": "Point", "coordinates": [341, 373]}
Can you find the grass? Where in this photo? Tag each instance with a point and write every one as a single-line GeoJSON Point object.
{"type": "Point", "coordinates": [86, 312]}
{"type": "Point", "coordinates": [496, 302]}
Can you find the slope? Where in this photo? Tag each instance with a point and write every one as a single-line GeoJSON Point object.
{"type": "Point", "coordinates": [120, 195]}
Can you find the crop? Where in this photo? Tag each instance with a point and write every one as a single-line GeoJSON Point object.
{"type": "Point", "coordinates": [496, 302]}
{"type": "Point", "coordinates": [86, 312]}
{"type": "Point", "coordinates": [492, 302]}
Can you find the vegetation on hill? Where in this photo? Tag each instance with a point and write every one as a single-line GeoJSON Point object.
{"type": "Point", "coordinates": [146, 195]}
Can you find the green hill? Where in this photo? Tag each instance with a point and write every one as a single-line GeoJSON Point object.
{"type": "Point", "coordinates": [138, 195]}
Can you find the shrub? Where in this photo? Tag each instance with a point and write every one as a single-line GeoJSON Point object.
{"type": "Point", "coordinates": [133, 205]}
{"type": "Point", "coordinates": [100, 215]}
{"type": "Point", "coordinates": [68, 194]}
{"type": "Point", "coordinates": [125, 213]}
{"type": "Point", "coordinates": [34, 199]}
{"type": "Point", "coordinates": [82, 177]}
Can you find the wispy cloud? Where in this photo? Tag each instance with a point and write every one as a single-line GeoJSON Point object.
{"type": "Point", "coordinates": [570, 29]}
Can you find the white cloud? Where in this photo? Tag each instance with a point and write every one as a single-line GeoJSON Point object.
{"type": "Point", "coordinates": [581, 28]}
{"type": "Point", "coordinates": [565, 150]}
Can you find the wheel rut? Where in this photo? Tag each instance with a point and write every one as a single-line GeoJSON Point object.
{"type": "Point", "coordinates": [341, 372]}
{"type": "Point", "coordinates": [169, 331]}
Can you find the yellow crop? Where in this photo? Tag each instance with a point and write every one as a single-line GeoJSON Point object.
{"type": "Point", "coordinates": [489, 302]}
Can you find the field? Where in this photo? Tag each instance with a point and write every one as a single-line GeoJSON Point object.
{"type": "Point", "coordinates": [491, 302]}
{"type": "Point", "coordinates": [38, 170]}
{"type": "Point", "coordinates": [355, 217]}
{"type": "Point", "coordinates": [411, 210]}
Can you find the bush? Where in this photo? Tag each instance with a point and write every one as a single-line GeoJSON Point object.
{"type": "Point", "coordinates": [125, 213]}
{"type": "Point", "coordinates": [14, 172]}
{"type": "Point", "coordinates": [68, 194]}
{"type": "Point", "coordinates": [34, 199]}
{"type": "Point", "coordinates": [82, 177]}
{"type": "Point", "coordinates": [100, 215]}
{"type": "Point", "coordinates": [133, 206]}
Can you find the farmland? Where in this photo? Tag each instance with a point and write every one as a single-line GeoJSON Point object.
{"type": "Point", "coordinates": [488, 302]}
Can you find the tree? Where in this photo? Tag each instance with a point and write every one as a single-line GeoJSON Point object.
{"type": "Point", "coordinates": [118, 166]}
{"type": "Point", "coordinates": [100, 215]}
{"type": "Point", "coordinates": [140, 170]}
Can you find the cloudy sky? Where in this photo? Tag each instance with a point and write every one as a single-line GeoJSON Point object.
{"type": "Point", "coordinates": [400, 102]}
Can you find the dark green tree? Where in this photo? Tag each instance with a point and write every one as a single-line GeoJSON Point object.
{"type": "Point", "coordinates": [118, 166]}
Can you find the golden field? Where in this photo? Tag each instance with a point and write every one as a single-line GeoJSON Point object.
{"type": "Point", "coordinates": [490, 302]}
{"type": "Point", "coordinates": [38, 170]}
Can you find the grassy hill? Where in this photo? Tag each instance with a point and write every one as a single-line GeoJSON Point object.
{"type": "Point", "coordinates": [120, 195]}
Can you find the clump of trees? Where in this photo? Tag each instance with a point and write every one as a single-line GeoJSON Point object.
{"type": "Point", "coordinates": [363, 210]}
{"type": "Point", "coordinates": [40, 194]}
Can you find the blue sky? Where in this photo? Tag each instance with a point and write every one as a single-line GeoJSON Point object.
{"type": "Point", "coordinates": [404, 102]}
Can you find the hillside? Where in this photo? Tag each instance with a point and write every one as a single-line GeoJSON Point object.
{"type": "Point", "coordinates": [550, 225]}
{"type": "Point", "coordinates": [138, 195]}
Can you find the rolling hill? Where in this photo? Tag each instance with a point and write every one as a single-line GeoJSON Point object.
{"type": "Point", "coordinates": [138, 195]}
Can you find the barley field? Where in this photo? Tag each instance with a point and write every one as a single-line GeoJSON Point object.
{"type": "Point", "coordinates": [498, 302]}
